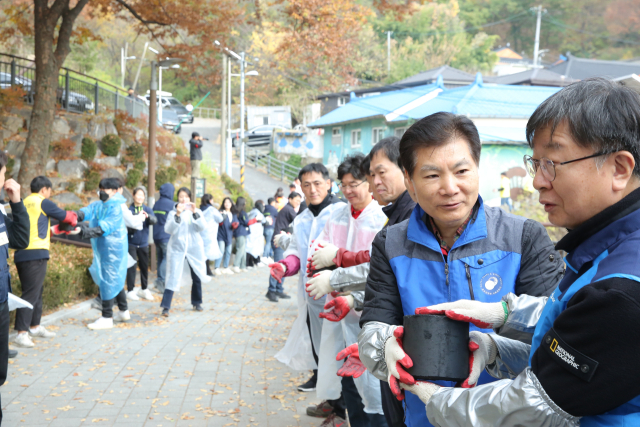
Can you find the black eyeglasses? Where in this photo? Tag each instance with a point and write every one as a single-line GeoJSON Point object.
{"type": "Point", "coordinates": [548, 167]}
{"type": "Point", "coordinates": [351, 186]}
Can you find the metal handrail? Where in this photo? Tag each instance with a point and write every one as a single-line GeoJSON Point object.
{"type": "Point", "coordinates": [209, 113]}
{"type": "Point", "coordinates": [272, 166]}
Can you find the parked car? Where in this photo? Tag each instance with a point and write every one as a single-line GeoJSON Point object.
{"type": "Point", "coordinates": [171, 121]}
{"type": "Point", "coordinates": [77, 101]}
{"type": "Point", "coordinates": [5, 83]}
{"type": "Point", "coordinates": [259, 135]}
{"type": "Point", "coordinates": [175, 105]}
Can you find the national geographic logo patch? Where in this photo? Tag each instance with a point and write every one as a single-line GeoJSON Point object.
{"type": "Point", "coordinates": [572, 360]}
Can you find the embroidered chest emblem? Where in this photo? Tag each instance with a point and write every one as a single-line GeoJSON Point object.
{"type": "Point", "coordinates": [491, 283]}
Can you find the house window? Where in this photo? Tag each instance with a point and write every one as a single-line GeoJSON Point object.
{"type": "Point", "coordinates": [400, 131]}
{"type": "Point", "coordinates": [342, 100]}
{"type": "Point", "coordinates": [356, 138]}
{"type": "Point", "coordinates": [336, 136]}
{"type": "Point", "coordinates": [377, 135]}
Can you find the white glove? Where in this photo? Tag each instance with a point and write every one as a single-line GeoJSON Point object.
{"type": "Point", "coordinates": [485, 315]}
{"type": "Point", "coordinates": [483, 352]}
{"type": "Point", "coordinates": [278, 239]}
{"type": "Point", "coordinates": [324, 255]}
{"type": "Point", "coordinates": [397, 360]}
{"type": "Point", "coordinates": [424, 390]}
{"type": "Point", "coordinates": [319, 285]}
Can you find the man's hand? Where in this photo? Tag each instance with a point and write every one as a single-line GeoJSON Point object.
{"type": "Point", "coordinates": [319, 285]}
{"type": "Point", "coordinates": [324, 255]}
{"type": "Point", "coordinates": [353, 366]}
{"type": "Point", "coordinates": [424, 390]}
{"type": "Point", "coordinates": [71, 218]}
{"type": "Point", "coordinates": [277, 271]}
{"type": "Point", "coordinates": [397, 360]}
{"type": "Point", "coordinates": [340, 307]}
{"type": "Point", "coordinates": [483, 351]}
{"type": "Point", "coordinates": [13, 190]}
{"type": "Point", "coordinates": [485, 315]}
{"type": "Point", "coordinates": [277, 237]}
{"type": "Point", "coordinates": [58, 229]}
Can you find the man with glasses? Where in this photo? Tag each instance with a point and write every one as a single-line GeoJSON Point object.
{"type": "Point", "coordinates": [582, 366]}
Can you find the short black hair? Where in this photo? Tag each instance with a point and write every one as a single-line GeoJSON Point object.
{"type": "Point", "coordinates": [120, 183]}
{"type": "Point", "coordinates": [194, 134]}
{"type": "Point", "coordinates": [109, 184]}
{"type": "Point", "coordinates": [186, 191]}
{"type": "Point", "coordinates": [4, 159]}
{"type": "Point", "coordinates": [351, 165]}
{"type": "Point", "coordinates": [270, 200]}
{"type": "Point", "coordinates": [503, 173]}
{"type": "Point", "coordinates": [40, 182]}
{"type": "Point", "coordinates": [259, 204]}
{"type": "Point", "coordinates": [365, 166]}
{"type": "Point", "coordinates": [600, 114]}
{"type": "Point", "coordinates": [314, 167]}
{"type": "Point", "coordinates": [206, 199]}
{"type": "Point", "coordinates": [279, 192]}
{"type": "Point", "coordinates": [292, 185]}
{"type": "Point", "coordinates": [239, 206]}
{"type": "Point", "coordinates": [293, 195]}
{"type": "Point", "coordinates": [437, 130]}
{"type": "Point", "coordinates": [390, 147]}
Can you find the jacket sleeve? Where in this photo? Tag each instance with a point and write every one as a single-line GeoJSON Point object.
{"type": "Point", "coordinates": [541, 267]}
{"type": "Point", "coordinates": [345, 258]}
{"type": "Point", "coordinates": [216, 215]}
{"type": "Point", "coordinates": [512, 358]}
{"type": "Point", "coordinates": [152, 220]}
{"type": "Point", "coordinates": [171, 226]}
{"type": "Point", "coordinates": [18, 228]}
{"type": "Point", "coordinates": [52, 210]}
{"type": "Point", "coordinates": [350, 278]}
{"type": "Point", "coordinates": [112, 220]}
{"type": "Point", "coordinates": [371, 347]}
{"type": "Point", "coordinates": [132, 221]}
{"type": "Point", "coordinates": [524, 313]}
{"type": "Point", "coordinates": [199, 223]}
{"type": "Point", "coordinates": [242, 219]}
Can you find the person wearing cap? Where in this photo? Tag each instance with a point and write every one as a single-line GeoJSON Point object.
{"type": "Point", "coordinates": [195, 151]}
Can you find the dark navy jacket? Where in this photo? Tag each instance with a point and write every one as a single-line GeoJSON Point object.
{"type": "Point", "coordinates": [17, 230]}
{"type": "Point", "coordinates": [163, 206]}
{"type": "Point", "coordinates": [271, 211]}
{"type": "Point", "coordinates": [243, 228]}
{"type": "Point", "coordinates": [225, 232]}
{"type": "Point", "coordinates": [140, 238]}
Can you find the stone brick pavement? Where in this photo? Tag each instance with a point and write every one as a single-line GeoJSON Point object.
{"type": "Point", "coordinates": [214, 368]}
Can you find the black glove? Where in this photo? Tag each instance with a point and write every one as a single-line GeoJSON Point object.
{"type": "Point", "coordinates": [63, 226]}
{"type": "Point", "coordinates": [80, 216]}
{"type": "Point", "coordinates": [87, 232]}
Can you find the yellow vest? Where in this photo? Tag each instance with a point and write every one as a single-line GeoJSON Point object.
{"type": "Point", "coordinates": [38, 238]}
{"type": "Point", "coordinates": [505, 183]}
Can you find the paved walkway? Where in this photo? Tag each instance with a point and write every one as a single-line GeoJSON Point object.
{"type": "Point", "coordinates": [214, 368]}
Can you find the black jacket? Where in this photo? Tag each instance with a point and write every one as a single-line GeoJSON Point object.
{"type": "Point", "coordinates": [399, 210]}
{"type": "Point", "coordinates": [195, 149]}
{"type": "Point", "coordinates": [163, 206]}
{"type": "Point", "coordinates": [140, 238]}
{"type": "Point", "coordinates": [285, 217]}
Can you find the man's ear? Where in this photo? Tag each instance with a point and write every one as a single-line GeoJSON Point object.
{"type": "Point", "coordinates": [623, 163]}
{"type": "Point", "coordinates": [408, 184]}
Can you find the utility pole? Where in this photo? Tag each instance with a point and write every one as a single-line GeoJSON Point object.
{"type": "Point", "coordinates": [123, 55]}
{"type": "Point", "coordinates": [229, 120]}
{"type": "Point", "coordinates": [389, 52]}
{"type": "Point", "coordinates": [223, 121]}
{"type": "Point", "coordinates": [242, 120]}
{"type": "Point", "coordinates": [536, 46]}
{"type": "Point", "coordinates": [144, 52]}
{"type": "Point", "coordinates": [153, 109]}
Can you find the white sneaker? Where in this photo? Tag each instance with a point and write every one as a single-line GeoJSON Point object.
{"type": "Point", "coordinates": [218, 272]}
{"type": "Point", "coordinates": [235, 270]}
{"type": "Point", "coordinates": [145, 294]}
{"type": "Point", "coordinates": [41, 332]}
{"type": "Point", "coordinates": [23, 340]}
{"type": "Point", "coordinates": [101, 323]}
{"type": "Point", "coordinates": [121, 316]}
{"type": "Point", "coordinates": [227, 271]}
{"type": "Point", "coordinates": [133, 295]}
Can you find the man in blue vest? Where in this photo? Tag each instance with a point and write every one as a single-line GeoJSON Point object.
{"type": "Point", "coordinates": [452, 247]}
{"type": "Point", "coordinates": [581, 368]}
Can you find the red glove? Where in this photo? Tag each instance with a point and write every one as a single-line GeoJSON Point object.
{"type": "Point", "coordinates": [397, 360]}
{"type": "Point", "coordinates": [353, 366]}
{"type": "Point", "coordinates": [57, 230]}
{"type": "Point", "coordinates": [71, 218]}
{"type": "Point", "coordinates": [235, 225]}
{"type": "Point", "coordinates": [277, 271]}
{"type": "Point", "coordinates": [252, 221]}
{"type": "Point", "coordinates": [340, 308]}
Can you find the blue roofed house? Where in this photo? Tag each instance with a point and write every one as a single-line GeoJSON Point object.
{"type": "Point", "coordinates": [499, 111]}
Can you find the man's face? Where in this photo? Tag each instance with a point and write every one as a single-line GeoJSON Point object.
{"type": "Point", "coordinates": [387, 177]}
{"type": "Point", "coordinates": [356, 191]}
{"type": "Point", "coordinates": [138, 198]}
{"type": "Point", "coordinates": [315, 187]}
{"type": "Point", "coordinates": [109, 191]}
{"type": "Point", "coordinates": [445, 182]}
{"type": "Point", "coordinates": [130, 91]}
{"type": "Point", "coordinates": [46, 192]}
{"type": "Point", "coordinates": [579, 190]}
{"type": "Point", "coordinates": [295, 202]}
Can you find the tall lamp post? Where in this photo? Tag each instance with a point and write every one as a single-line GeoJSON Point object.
{"type": "Point", "coordinates": [242, 142]}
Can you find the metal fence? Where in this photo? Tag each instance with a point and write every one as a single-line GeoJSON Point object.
{"type": "Point", "coordinates": [272, 166]}
{"type": "Point", "coordinates": [207, 113]}
{"type": "Point", "coordinates": [76, 91]}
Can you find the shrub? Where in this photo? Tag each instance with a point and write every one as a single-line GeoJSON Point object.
{"type": "Point", "coordinates": [140, 165]}
{"type": "Point", "coordinates": [72, 187]}
{"type": "Point", "coordinates": [89, 149]}
{"type": "Point", "coordinates": [63, 149]}
{"type": "Point", "coordinates": [11, 162]}
{"type": "Point", "coordinates": [135, 153]}
{"type": "Point", "coordinates": [164, 175]}
{"type": "Point", "coordinates": [92, 179]}
{"type": "Point", "coordinates": [236, 189]}
{"type": "Point", "coordinates": [110, 144]}
{"type": "Point", "coordinates": [133, 178]}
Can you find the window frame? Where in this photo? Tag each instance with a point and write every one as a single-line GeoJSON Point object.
{"type": "Point", "coordinates": [380, 133]}
{"type": "Point", "coordinates": [359, 131]}
{"type": "Point", "coordinates": [334, 137]}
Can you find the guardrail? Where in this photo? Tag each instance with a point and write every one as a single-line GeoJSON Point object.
{"type": "Point", "coordinates": [76, 92]}
{"type": "Point", "coordinates": [272, 166]}
{"type": "Point", "coordinates": [206, 113]}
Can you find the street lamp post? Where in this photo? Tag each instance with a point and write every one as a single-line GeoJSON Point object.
{"type": "Point", "coordinates": [242, 120]}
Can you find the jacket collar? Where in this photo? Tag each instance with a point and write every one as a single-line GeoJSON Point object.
{"type": "Point", "coordinates": [419, 232]}
{"type": "Point", "coordinates": [402, 203]}
{"type": "Point", "coordinates": [600, 232]}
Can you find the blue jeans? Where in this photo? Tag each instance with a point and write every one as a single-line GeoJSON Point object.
{"type": "Point", "coordinates": [196, 292]}
{"type": "Point", "coordinates": [226, 254]}
{"type": "Point", "coordinates": [240, 260]}
{"type": "Point", "coordinates": [506, 201]}
{"type": "Point", "coordinates": [274, 286]}
{"type": "Point", "coordinates": [268, 248]}
{"type": "Point", "coordinates": [161, 261]}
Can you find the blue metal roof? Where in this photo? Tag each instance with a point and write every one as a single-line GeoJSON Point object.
{"type": "Point", "coordinates": [375, 106]}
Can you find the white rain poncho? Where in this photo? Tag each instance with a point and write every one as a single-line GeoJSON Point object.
{"type": "Point", "coordinates": [297, 350]}
{"type": "Point", "coordinates": [355, 235]}
{"type": "Point", "coordinates": [255, 240]}
{"type": "Point", "coordinates": [209, 235]}
{"type": "Point", "coordinates": [110, 251]}
{"type": "Point", "coordinates": [185, 242]}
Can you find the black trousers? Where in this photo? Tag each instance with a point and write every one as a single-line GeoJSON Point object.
{"type": "Point", "coordinates": [392, 407]}
{"type": "Point", "coordinates": [355, 407]}
{"type": "Point", "coordinates": [196, 291]}
{"type": "Point", "coordinates": [4, 345]}
{"type": "Point", "coordinates": [120, 299]}
{"type": "Point", "coordinates": [252, 261]}
{"type": "Point", "coordinates": [31, 274]}
{"type": "Point", "coordinates": [142, 256]}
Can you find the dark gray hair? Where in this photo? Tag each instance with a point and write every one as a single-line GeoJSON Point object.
{"type": "Point", "coordinates": [352, 164]}
{"type": "Point", "coordinates": [599, 114]}
{"type": "Point", "coordinates": [390, 147]}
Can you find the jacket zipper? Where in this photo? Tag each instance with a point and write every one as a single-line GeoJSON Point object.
{"type": "Point", "coordinates": [466, 267]}
{"type": "Point", "coordinates": [446, 272]}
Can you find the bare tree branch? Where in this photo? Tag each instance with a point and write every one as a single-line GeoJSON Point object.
{"type": "Point", "coordinates": [137, 15]}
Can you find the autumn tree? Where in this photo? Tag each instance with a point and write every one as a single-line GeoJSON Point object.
{"type": "Point", "coordinates": [184, 28]}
